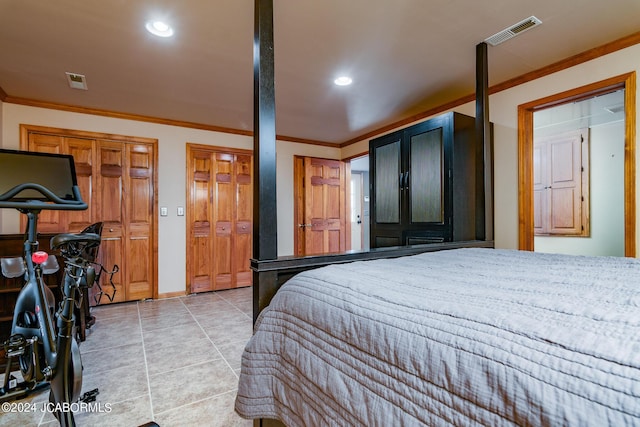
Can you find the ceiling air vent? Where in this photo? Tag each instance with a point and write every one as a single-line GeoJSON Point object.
{"type": "Point", "coordinates": [513, 31]}
{"type": "Point", "coordinates": [77, 81]}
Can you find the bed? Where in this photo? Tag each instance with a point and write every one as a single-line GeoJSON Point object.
{"type": "Point", "coordinates": [470, 336]}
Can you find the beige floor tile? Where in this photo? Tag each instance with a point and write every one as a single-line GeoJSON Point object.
{"type": "Point", "coordinates": [216, 411]}
{"type": "Point", "coordinates": [169, 358]}
{"type": "Point", "coordinates": [201, 299]}
{"type": "Point", "coordinates": [104, 335]}
{"type": "Point", "coordinates": [173, 360]}
{"type": "Point", "coordinates": [232, 332]}
{"type": "Point", "coordinates": [179, 320]}
{"type": "Point", "coordinates": [219, 318]}
{"type": "Point", "coordinates": [118, 384]}
{"type": "Point", "coordinates": [107, 359]}
{"type": "Point", "coordinates": [129, 413]}
{"type": "Point", "coordinates": [171, 336]}
{"type": "Point", "coordinates": [183, 386]}
{"type": "Point", "coordinates": [115, 310]}
{"type": "Point", "coordinates": [232, 352]}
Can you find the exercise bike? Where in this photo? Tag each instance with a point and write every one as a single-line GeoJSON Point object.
{"type": "Point", "coordinates": [47, 353]}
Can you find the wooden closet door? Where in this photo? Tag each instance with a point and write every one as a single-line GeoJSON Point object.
{"type": "Point", "coordinates": [83, 152]}
{"type": "Point", "coordinates": [200, 245]}
{"type": "Point", "coordinates": [138, 206]}
{"type": "Point", "coordinates": [109, 202]}
{"type": "Point", "coordinates": [223, 220]}
{"type": "Point", "coordinates": [219, 219]}
{"type": "Point", "coordinates": [117, 178]}
{"type": "Point", "coordinates": [242, 246]}
{"type": "Point", "coordinates": [48, 221]}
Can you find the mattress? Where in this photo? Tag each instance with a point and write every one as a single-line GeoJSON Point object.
{"type": "Point", "coordinates": [459, 337]}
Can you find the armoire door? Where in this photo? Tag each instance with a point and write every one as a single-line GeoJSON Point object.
{"type": "Point", "coordinates": [387, 191]}
{"type": "Point", "coordinates": [219, 218]}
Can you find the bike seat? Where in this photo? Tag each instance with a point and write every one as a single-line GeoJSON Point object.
{"type": "Point", "coordinates": [89, 239]}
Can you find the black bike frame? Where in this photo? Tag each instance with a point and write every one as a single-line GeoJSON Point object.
{"type": "Point", "coordinates": [33, 296]}
{"type": "Point", "coordinates": [57, 346]}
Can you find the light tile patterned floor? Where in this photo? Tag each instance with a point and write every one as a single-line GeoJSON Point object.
{"type": "Point", "coordinates": [174, 361]}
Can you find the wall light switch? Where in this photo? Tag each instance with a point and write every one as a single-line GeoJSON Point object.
{"type": "Point", "coordinates": [164, 212]}
{"type": "Point", "coordinates": [180, 211]}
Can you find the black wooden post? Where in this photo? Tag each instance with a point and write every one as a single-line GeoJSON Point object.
{"type": "Point", "coordinates": [265, 235]}
{"type": "Point", "coordinates": [484, 176]}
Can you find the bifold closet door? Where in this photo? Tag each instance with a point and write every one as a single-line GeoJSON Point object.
{"type": "Point", "coordinates": [219, 220]}
{"type": "Point", "coordinates": [117, 180]}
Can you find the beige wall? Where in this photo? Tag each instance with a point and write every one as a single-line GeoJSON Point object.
{"type": "Point", "coordinates": [171, 175]}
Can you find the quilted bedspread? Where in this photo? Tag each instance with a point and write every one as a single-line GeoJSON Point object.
{"type": "Point", "coordinates": [460, 337]}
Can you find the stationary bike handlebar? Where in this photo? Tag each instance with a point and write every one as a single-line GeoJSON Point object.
{"type": "Point", "coordinates": [51, 201]}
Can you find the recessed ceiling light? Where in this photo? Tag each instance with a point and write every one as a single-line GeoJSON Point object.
{"type": "Point", "coordinates": [159, 28]}
{"type": "Point", "coordinates": [343, 81]}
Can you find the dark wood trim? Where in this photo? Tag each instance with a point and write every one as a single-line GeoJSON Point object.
{"type": "Point", "coordinates": [218, 149]}
{"type": "Point", "coordinates": [525, 154]}
{"type": "Point", "coordinates": [26, 128]}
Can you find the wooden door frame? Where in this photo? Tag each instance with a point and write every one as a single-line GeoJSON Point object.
{"type": "Point", "coordinates": [25, 129]}
{"type": "Point", "coordinates": [525, 154]}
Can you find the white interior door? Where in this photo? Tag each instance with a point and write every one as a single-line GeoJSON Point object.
{"type": "Point", "coordinates": [356, 211]}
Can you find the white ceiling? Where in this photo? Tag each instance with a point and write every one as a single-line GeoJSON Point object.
{"type": "Point", "coordinates": [586, 113]}
{"type": "Point", "coordinates": [405, 56]}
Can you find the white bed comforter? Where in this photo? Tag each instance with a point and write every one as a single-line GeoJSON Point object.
{"type": "Point", "coordinates": [461, 337]}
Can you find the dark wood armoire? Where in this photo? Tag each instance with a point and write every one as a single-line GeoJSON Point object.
{"type": "Point", "coordinates": [425, 183]}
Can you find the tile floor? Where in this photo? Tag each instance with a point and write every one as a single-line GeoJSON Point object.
{"type": "Point", "coordinates": [174, 361]}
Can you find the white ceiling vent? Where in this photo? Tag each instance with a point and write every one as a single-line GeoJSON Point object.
{"type": "Point", "coordinates": [513, 31]}
{"type": "Point", "coordinates": [77, 81]}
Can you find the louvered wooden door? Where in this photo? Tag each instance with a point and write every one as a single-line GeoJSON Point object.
{"type": "Point", "coordinates": [219, 219]}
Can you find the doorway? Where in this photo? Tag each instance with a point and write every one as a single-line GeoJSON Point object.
{"type": "Point", "coordinates": [627, 83]}
{"type": "Point", "coordinates": [360, 203]}
{"type": "Point", "coordinates": [583, 207]}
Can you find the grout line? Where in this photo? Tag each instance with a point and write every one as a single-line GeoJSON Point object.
{"type": "Point", "coordinates": [146, 365]}
{"type": "Point", "coordinates": [215, 396]}
{"type": "Point", "coordinates": [210, 340]}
